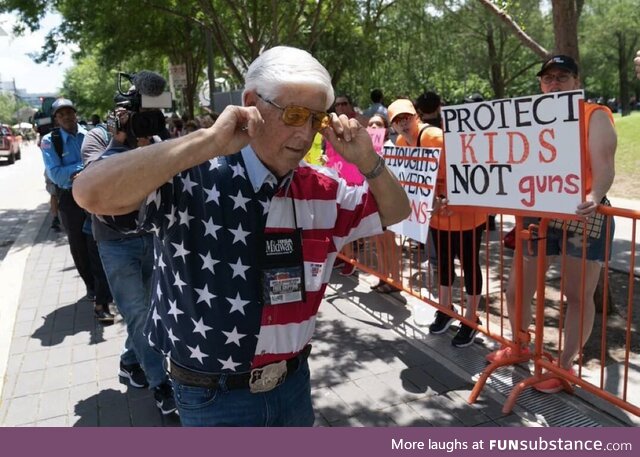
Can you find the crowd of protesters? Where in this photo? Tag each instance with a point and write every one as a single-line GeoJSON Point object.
{"type": "Point", "coordinates": [252, 155]}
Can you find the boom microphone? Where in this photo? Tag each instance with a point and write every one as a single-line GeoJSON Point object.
{"type": "Point", "coordinates": [149, 83]}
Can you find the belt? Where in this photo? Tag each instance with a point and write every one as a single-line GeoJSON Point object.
{"type": "Point", "coordinates": [257, 380]}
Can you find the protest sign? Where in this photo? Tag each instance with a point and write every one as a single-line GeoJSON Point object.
{"type": "Point", "coordinates": [417, 169]}
{"type": "Point", "coordinates": [522, 154]}
{"type": "Point", "coordinates": [349, 171]}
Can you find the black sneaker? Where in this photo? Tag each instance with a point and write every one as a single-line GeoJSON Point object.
{"type": "Point", "coordinates": [133, 375]}
{"type": "Point", "coordinates": [465, 336]}
{"type": "Point", "coordinates": [441, 323]}
{"type": "Point", "coordinates": [103, 315]}
{"type": "Point", "coordinates": [55, 223]}
{"type": "Point", "coordinates": [164, 398]}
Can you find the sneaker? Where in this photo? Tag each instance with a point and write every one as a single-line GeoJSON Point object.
{"type": "Point", "coordinates": [133, 375]}
{"type": "Point", "coordinates": [441, 323]}
{"type": "Point", "coordinates": [551, 385]}
{"type": "Point", "coordinates": [164, 398]}
{"type": "Point", "coordinates": [465, 336]}
{"type": "Point", "coordinates": [55, 223]}
{"type": "Point", "coordinates": [103, 314]}
{"type": "Point", "coordinates": [348, 269]}
{"type": "Point", "coordinates": [504, 353]}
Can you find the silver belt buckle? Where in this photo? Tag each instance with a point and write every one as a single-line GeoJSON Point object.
{"type": "Point", "coordinates": [268, 377]}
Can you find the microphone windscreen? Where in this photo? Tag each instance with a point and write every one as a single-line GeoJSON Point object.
{"type": "Point", "coordinates": [149, 83]}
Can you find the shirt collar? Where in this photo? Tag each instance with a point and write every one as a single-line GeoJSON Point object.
{"type": "Point", "coordinates": [65, 135]}
{"type": "Point", "coordinates": [258, 173]}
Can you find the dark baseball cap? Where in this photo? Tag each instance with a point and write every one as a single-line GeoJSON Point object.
{"type": "Point", "coordinates": [560, 61]}
{"type": "Point", "coordinates": [62, 103]}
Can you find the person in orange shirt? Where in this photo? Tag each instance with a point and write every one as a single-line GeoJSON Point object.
{"type": "Point", "coordinates": [456, 234]}
{"type": "Point", "coordinates": [560, 73]}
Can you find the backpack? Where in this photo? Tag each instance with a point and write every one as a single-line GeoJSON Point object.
{"type": "Point", "coordinates": [56, 140]}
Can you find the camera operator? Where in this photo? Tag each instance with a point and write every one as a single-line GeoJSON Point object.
{"type": "Point", "coordinates": [128, 257]}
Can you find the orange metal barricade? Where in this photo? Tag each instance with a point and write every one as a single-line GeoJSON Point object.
{"type": "Point", "coordinates": [407, 265]}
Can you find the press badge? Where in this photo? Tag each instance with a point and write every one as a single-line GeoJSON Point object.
{"type": "Point", "coordinates": [282, 268]}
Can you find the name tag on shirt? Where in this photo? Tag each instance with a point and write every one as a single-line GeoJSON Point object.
{"type": "Point", "coordinates": [282, 268]}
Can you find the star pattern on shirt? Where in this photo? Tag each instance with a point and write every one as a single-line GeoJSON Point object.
{"type": "Point", "coordinates": [265, 206]}
{"type": "Point", "coordinates": [172, 337]}
{"type": "Point", "coordinates": [228, 364]}
{"type": "Point", "coordinates": [196, 353]}
{"type": "Point", "coordinates": [239, 235]}
{"type": "Point", "coordinates": [187, 184]}
{"type": "Point", "coordinates": [200, 327]}
{"type": "Point", "coordinates": [155, 316]}
{"type": "Point", "coordinates": [211, 229]}
{"type": "Point", "coordinates": [184, 217]}
{"type": "Point", "coordinates": [238, 170]}
{"type": "Point", "coordinates": [212, 195]}
{"type": "Point", "coordinates": [173, 309]}
{"type": "Point", "coordinates": [239, 200]}
{"type": "Point", "coordinates": [204, 295]}
{"type": "Point", "coordinates": [171, 217]}
{"type": "Point", "coordinates": [238, 269]}
{"type": "Point", "coordinates": [237, 303]}
{"type": "Point", "coordinates": [179, 283]}
{"type": "Point", "coordinates": [208, 262]}
{"type": "Point", "coordinates": [161, 264]}
{"type": "Point", "coordinates": [233, 336]}
{"type": "Point", "coordinates": [180, 250]}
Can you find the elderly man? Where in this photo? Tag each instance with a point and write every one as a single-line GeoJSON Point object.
{"type": "Point", "coordinates": [246, 235]}
{"type": "Point", "coordinates": [560, 73]}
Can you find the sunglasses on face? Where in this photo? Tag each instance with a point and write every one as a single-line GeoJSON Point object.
{"type": "Point", "coordinates": [297, 116]}
{"type": "Point", "coordinates": [561, 78]}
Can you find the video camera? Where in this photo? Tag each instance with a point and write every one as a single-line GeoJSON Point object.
{"type": "Point", "coordinates": [43, 119]}
{"type": "Point", "coordinates": [144, 99]}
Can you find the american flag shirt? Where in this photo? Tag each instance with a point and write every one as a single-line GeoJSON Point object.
{"type": "Point", "coordinates": [207, 313]}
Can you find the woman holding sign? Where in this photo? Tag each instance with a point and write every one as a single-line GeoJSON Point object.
{"type": "Point", "coordinates": [456, 234]}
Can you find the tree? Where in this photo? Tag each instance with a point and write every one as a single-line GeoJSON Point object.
{"type": "Point", "coordinates": [8, 108]}
{"type": "Point", "coordinates": [611, 32]}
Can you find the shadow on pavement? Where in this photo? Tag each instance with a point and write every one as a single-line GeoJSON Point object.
{"type": "Point", "coordinates": [112, 408]}
{"type": "Point", "coordinates": [67, 321]}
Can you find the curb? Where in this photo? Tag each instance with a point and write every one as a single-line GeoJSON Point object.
{"type": "Point", "coordinates": [12, 271]}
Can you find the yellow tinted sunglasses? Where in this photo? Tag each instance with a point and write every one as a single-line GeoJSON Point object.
{"type": "Point", "coordinates": [297, 116]}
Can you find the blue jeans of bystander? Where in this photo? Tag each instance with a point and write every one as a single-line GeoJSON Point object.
{"type": "Point", "coordinates": [128, 264]}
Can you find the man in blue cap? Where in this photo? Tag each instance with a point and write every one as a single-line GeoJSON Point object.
{"type": "Point", "coordinates": [62, 162]}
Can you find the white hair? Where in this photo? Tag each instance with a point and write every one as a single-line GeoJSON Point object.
{"type": "Point", "coordinates": [282, 66]}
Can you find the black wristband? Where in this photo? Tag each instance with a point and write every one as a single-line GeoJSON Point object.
{"type": "Point", "coordinates": [377, 170]}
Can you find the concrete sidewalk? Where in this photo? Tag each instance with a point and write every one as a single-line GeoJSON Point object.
{"type": "Point", "coordinates": [370, 365]}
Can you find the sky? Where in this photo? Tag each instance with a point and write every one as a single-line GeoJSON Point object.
{"type": "Point", "coordinates": [15, 63]}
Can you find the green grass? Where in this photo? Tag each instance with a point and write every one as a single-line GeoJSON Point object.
{"type": "Point", "coordinates": [627, 156]}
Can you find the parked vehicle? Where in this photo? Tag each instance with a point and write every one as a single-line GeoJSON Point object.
{"type": "Point", "coordinates": [9, 143]}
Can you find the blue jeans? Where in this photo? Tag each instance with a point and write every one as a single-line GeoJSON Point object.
{"type": "Point", "coordinates": [128, 264]}
{"type": "Point", "coordinates": [288, 405]}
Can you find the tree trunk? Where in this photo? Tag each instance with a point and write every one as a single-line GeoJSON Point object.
{"type": "Point", "coordinates": [623, 70]}
{"type": "Point", "coordinates": [496, 76]}
{"type": "Point", "coordinates": [565, 27]}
